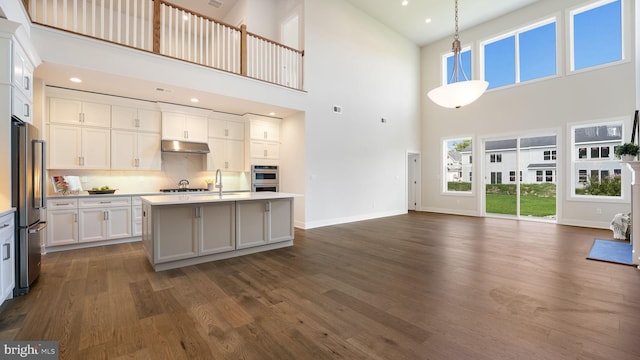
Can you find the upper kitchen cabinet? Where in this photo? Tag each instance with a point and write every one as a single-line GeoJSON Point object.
{"type": "Point", "coordinates": [264, 128]}
{"type": "Point", "coordinates": [75, 112]}
{"type": "Point", "coordinates": [186, 127]}
{"type": "Point", "coordinates": [226, 126]}
{"type": "Point", "coordinates": [131, 118]}
{"type": "Point", "coordinates": [77, 147]}
{"type": "Point", "coordinates": [226, 142]}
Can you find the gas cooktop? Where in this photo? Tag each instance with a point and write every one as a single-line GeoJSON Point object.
{"type": "Point", "coordinates": [183, 190]}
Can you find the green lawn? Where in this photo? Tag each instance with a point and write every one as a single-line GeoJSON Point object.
{"type": "Point", "coordinates": [529, 205]}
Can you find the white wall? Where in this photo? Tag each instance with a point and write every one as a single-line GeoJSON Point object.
{"type": "Point", "coordinates": [292, 160]}
{"type": "Point", "coordinates": [538, 106]}
{"type": "Point", "coordinates": [356, 165]}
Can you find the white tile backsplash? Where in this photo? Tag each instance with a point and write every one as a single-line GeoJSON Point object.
{"type": "Point", "coordinates": [175, 166]}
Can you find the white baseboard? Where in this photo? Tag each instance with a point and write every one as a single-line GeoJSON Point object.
{"type": "Point", "coordinates": [51, 249]}
{"type": "Point", "coordinates": [349, 219]}
{"type": "Point", "coordinates": [450, 211]}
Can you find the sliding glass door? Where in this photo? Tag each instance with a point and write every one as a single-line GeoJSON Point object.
{"type": "Point", "coordinates": [520, 177]}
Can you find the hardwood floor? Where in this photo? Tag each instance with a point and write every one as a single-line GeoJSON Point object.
{"type": "Point", "coordinates": [416, 286]}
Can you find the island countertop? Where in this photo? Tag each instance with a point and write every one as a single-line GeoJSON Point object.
{"type": "Point", "coordinates": [175, 199]}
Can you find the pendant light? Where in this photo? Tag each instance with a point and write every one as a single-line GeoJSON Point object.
{"type": "Point", "coordinates": [458, 93]}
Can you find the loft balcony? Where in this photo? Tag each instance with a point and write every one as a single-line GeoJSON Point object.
{"type": "Point", "coordinates": [165, 29]}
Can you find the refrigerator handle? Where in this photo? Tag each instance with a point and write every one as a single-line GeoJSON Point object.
{"type": "Point", "coordinates": [41, 188]}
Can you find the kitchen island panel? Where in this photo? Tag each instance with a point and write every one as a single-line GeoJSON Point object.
{"type": "Point", "coordinates": [217, 230]}
{"type": "Point", "coordinates": [174, 233]}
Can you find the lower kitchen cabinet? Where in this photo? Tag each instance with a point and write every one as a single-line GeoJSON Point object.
{"type": "Point", "coordinates": [7, 265]}
{"type": "Point", "coordinates": [260, 222]}
{"type": "Point", "coordinates": [216, 228]}
{"type": "Point", "coordinates": [186, 231]}
{"type": "Point", "coordinates": [62, 222]}
{"type": "Point", "coordinates": [136, 216]}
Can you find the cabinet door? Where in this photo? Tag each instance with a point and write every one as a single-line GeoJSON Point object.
{"type": "Point", "coordinates": [124, 118]}
{"type": "Point", "coordinates": [217, 230]}
{"type": "Point", "coordinates": [21, 106]}
{"type": "Point", "coordinates": [149, 121]}
{"type": "Point", "coordinates": [196, 128]}
{"type": "Point", "coordinates": [7, 262]}
{"type": "Point", "coordinates": [64, 146]}
{"type": "Point", "coordinates": [216, 157]}
{"type": "Point", "coordinates": [62, 227]}
{"type": "Point", "coordinates": [124, 149]}
{"type": "Point", "coordinates": [64, 111]}
{"type": "Point", "coordinates": [136, 219]}
{"type": "Point", "coordinates": [272, 150]}
{"type": "Point", "coordinates": [280, 220]}
{"type": "Point", "coordinates": [257, 149]}
{"type": "Point", "coordinates": [93, 225]}
{"type": "Point", "coordinates": [273, 130]}
{"type": "Point", "coordinates": [235, 130]}
{"type": "Point", "coordinates": [251, 223]}
{"type": "Point", "coordinates": [149, 153]}
{"type": "Point", "coordinates": [118, 222]}
{"type": "Point", "coordinates": [173, 126]}
{"type": "Point", "coordinates": [174, 232]}
{"type": "Point", "coordinates": [234, 151]}
{"type": "Point", "coordinates": [94, 114]}
{"type": "Point", "coordinates": [96, 145]}
{"type": "Point", "coordinates": [217, 128]}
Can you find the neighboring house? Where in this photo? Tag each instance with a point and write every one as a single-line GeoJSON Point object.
{"type": "Point", "coordinates": [537, 160]}
{"type": "Point", "coordinates": [594, 153]}
{"type": "Point", "coordinates": [454, 166]}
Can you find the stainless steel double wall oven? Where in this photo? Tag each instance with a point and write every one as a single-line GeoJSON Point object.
{"type": "Point", "coordinates": [265, 178]}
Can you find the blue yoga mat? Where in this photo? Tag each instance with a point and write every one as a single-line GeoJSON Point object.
{"type": "Point", "coordinates": [611, 251]}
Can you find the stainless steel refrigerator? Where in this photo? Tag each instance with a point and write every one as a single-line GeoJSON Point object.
{"type": "Point", "coordinates": [28, 197]}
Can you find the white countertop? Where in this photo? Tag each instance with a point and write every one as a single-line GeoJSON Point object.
{"type": "Point", "coordinates": [195, 198]}
{"type": "Point", "coordinates": [84, 194]}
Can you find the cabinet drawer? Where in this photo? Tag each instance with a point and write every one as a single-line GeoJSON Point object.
{"type": "Point", "coordinates": [59, 204]}
{"type": "Point", "coordinates": [105, 202]}
{"type": "Point", "coordinates": [6, 227]}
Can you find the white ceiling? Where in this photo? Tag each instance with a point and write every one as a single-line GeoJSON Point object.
{"type": "Point", "coordinates": [410, 20]}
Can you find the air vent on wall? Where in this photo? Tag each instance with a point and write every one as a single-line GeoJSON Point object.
{"type": "Point", "coordinates": [215, 3]}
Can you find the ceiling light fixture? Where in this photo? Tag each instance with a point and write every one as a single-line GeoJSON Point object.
{"type": "Point", "coordinates": [457, 93]}
{"type": "Point", "coordinates": [405, 2]}
{"type": "Point", "coordinates": [75, 80]}
{"type": "Point", "coordinates": [194, 100]}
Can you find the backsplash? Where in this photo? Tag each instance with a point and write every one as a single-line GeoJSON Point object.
{"type": "Point", "coordinates": [175, 166]}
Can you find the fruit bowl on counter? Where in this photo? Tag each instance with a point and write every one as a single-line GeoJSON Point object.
{"type": "Point", "coordinates": [101, 190]}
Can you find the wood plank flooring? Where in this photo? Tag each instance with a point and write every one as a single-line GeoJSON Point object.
{"type": "Point", "coordinates": [415, 286]}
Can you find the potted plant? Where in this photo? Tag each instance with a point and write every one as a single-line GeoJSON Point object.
{"type": "Point", "coordinates": [627, 151]}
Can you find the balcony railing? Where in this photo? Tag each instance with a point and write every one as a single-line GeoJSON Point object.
{"type": "Point", "coordinates": [169, 30]}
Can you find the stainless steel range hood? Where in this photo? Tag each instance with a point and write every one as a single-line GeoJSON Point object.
{"type": "Point", "coordinates": [185, 147]}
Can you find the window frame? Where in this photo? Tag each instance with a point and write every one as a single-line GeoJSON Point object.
{"type": "Point", "coordinates": [516, 33]}
{"type": "Point", "coordinates": [443, 65]}
{"type": "Point", "coordinates": [570, 14]}
{"type": "Point", "coordinates": [579, 164]}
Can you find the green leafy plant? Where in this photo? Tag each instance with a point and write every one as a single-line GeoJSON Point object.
{"type": "Point", "coordinates": [627, 149]}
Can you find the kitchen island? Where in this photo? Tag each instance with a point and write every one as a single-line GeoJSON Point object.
{"type": "Point", "coordinates": [187, 229]}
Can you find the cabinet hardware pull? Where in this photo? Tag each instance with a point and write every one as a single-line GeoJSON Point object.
{"type": "Point", "coordinates": [81, 117]}
{"type": "Point", "coordinates": [186, 134]}
{"type": "Point", "coordinates": [137, 162]}
{"type": "Point", "coordinates": [81, 160]}
{"type": "Point", "coordinates": [197, 212]}
{"type": "Point", "coordinates": [27, 110]}
{"type": "Point", "coordinates": [75, 218]}
{"type": "Point", "coordinates": [7, 249]}
{"type": "Point", "coordinates": [265, 135]}
{"type": "Point", "coordinates": [67, 204]}
{"type": "Point", "coordinates": [105, 202]}
{"type": "Point", "coordinates": [226, 132]}
{"type": "Point", "coordinates": [106, 215]}
{"type": "Point", "coordinates": [267, 207]}
{"type": "Point", "coordinates": [27, 83]}
{"type": "Point", "coordinates": [4, 226]}
{"type": "Point", "coordinates": [137, 124]}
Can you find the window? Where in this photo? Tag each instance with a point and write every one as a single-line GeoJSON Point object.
{"type": "Point", "coordinates": [550, 155]}
{"type": "Point", "coordinates": [495, 158]}
{"type": "Point", "coordinates": [596, 34]}
{"type": "Point", "coordinates": [524, 55]}
{"type": "Point", "coordinates": [465, 59]}
{"type": "Point", "coordinates": [617, 172]}
{"type": "Point", "coordinates": [496, 177]}
{"type": "Point", "coordinates": [548, 176]}
{"type": "Point", "coordinates": [592, 174]}
{"type": "Point", "coordinates": [539, 175]}
{"type": "Point", "coordinates": [456, 164]}
{"type": "Point", "coordinates": [512, 176]}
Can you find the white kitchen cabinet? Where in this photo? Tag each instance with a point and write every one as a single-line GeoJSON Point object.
{"type": "Point", "coordinates": [261, 128]}
{"type": "Point", "coordinates": [227, 129]}
{"type": "Point", "coordinates": [7, 265]}
{"type": "Point", "coordinates": [76, 112]}
{"type": "Point", "coordinates": [179, 126]}
{"type": "Point", "coordinates": [132, 150]}
{"type": "Point", "coordinates": [264, 150]}
{"type": "Point", "coordinates": [62, 222]}
{"type": "Point", "coordinates": [131, 118]}
{"type": "Point", "coordinates": [260, 222]}
{"type": "Point", "coordinates": [104, 218]}
{"type": "Point", "coordinates": [136, 216]}
{"type": "Point", "coordinates": [226, 155]}
{"type": "Point", "coordinates": [216, 228]}
{"type": "Point", "coordinates": [79, 147]}
{"type": "Point", "coordinates": [22, 81]}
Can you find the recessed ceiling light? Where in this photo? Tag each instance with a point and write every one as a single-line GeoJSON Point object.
{"type": "Point", "coordinates": [75, 80]}
{"type": "Point", "coordinates": [194, 100]}
{"type": "Point", "coordinates": [405, 2]}
{"type": "Point", "coordinates": [272, 114]}
{"type": "Point", "coordinates": [427, 20]}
